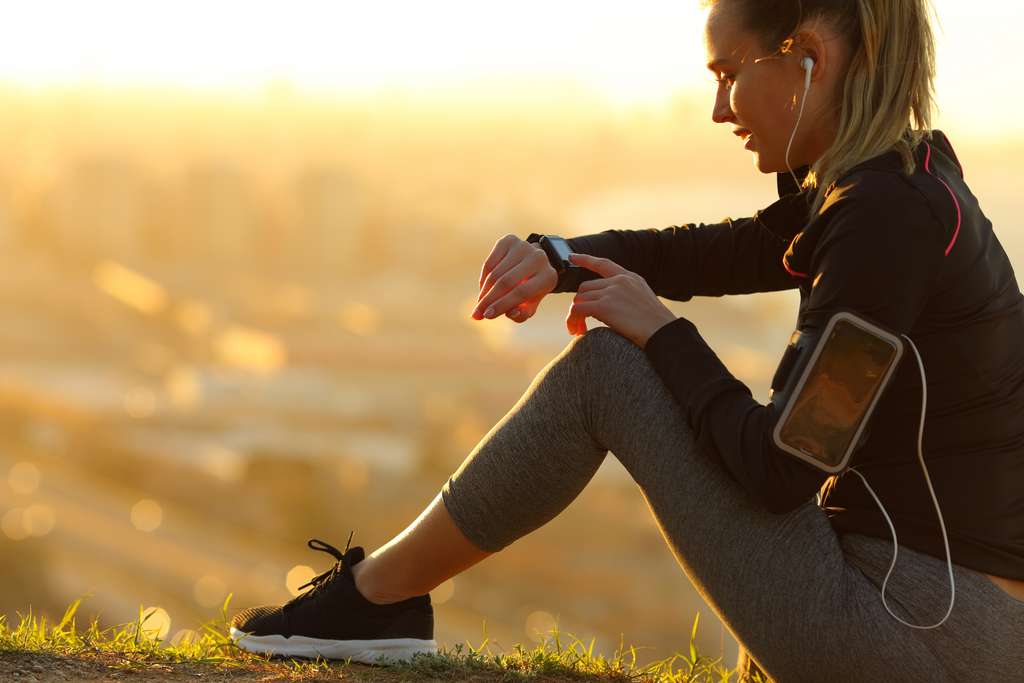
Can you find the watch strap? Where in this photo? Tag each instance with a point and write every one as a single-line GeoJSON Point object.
{"type": "Point", "coordinates": [569, 279]}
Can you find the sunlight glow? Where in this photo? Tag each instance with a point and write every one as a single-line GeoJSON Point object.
{"type": "Point", "coordinates": [627, 52]}
{"type": "Point", "coordinates": [643, 52]}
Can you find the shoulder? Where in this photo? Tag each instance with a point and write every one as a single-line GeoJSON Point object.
{"type": "Point", "coordinates": [880, 205]}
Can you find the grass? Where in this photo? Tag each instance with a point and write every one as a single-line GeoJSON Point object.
{"type": "Point", "coordinates": [63, 650]}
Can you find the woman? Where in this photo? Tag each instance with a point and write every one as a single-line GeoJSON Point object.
{"type": "Point", "coordinates": [875, 219]}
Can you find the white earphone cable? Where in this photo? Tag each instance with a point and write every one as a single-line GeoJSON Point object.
{"type": "Point", "coordinates": [942, 524]}
{"type": "Point", "coordinates": [808, 64]}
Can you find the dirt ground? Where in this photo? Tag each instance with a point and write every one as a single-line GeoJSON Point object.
{"type": "Point", "coordinates": [32, 667]}
{"type": "Point", "coordinates": [25, 667]}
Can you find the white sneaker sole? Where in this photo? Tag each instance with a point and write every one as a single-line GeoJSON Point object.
{"type": "Point", "coordinates": [363, 651]}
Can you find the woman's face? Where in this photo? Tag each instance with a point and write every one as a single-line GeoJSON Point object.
{"type": "Point", "coordinates": [760, 100]}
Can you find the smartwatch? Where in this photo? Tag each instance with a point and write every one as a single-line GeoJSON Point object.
{"type": "Point", "coordinates": [570, 276]}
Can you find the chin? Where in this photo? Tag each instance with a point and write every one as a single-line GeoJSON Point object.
{"type": "Point", "coordinates": [765, 165]}
{"type": "Point", "coordinates": [759, 162]}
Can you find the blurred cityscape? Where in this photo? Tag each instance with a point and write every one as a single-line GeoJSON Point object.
{"type": "Point", "coordinates": [230, 325]}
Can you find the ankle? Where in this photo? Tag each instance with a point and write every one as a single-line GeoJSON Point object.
{"type": "Point", "coordinates": [368, 589]}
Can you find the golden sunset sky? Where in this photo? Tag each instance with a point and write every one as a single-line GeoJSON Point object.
{"type": "Point", "coordinates": [641, 52]}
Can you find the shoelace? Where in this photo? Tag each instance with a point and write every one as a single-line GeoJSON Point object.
{"type": "Point", "coordinates": [321, 581]}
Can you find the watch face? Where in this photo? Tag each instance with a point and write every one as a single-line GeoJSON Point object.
{"type": "Point", "coordinates": [561, 248]}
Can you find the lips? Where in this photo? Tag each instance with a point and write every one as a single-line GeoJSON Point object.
{"type": "Point", "coordinates": [746, 135]}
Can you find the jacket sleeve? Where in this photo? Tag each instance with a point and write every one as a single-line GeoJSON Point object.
{"type": "Point", "coordinates": [739, 256]}
{"type": "Point", "coordinates": [878, 258]}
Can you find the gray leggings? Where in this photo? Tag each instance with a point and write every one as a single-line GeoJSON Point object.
{"type": "Point", "coordinates": [802, 601]}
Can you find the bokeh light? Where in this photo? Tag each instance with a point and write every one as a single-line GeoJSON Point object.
{"type": "Point", "coordinates": [130, 288]}
{"type": "Point", "coordinates": [156, 623]}
{"type": "Point", "coordinates": [250, 349]}
{"type": "Point", "coordinates": [539, 625]}
{"type": "Point", "coordinates": [147, 515]}
{"type": "Point", "coordinates": [38, 519]}
{"type": "Point", "coordinates": [23, 478]}
{"type": "Point", "coordinates": [297, 576]}
{"type": "Point", "coordinates": [13, 524]}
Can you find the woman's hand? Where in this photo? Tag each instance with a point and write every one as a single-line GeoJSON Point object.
{"type": "Point", "coordinates": [513, 280]}
{"type": "Point", "coordinates": [621, 299]}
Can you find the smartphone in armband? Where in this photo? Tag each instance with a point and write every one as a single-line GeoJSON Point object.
{"type": "Point", "coordinates": [827, 386]}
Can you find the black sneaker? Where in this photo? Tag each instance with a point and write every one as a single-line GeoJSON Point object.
{"type": "Point", "coordinates": [334, 621]}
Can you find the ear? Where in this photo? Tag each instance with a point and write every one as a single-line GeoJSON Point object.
{"type": "Point", "coordinates": [810, 42]}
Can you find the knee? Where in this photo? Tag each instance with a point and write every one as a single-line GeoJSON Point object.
{"type": "Point", "coordinates": [602, 346]}
{"type": "Point", "coordinates": [602, 337]}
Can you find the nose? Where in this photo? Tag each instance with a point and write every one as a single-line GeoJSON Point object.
{"type": "Point", "coordinates": [722, 111]}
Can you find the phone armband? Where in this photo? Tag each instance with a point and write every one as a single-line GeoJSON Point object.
{"type": "Point", "coordinates": [827, 385]}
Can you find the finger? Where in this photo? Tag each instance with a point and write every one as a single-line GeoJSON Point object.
{"type": "Point", "coordinates": [524, 291]}
{"type": "Point", "coordinates": [575, 325]}
{"type": "Point", "coordinates": [518, 313]}
{"type": "Point", "coordinates": [503, 286]}
{"type": "Point", "coordinates": [602, 266]}
{"type": "Point", "coordinates": [576, 321]}
{"type": "Point", "coordinates": [515, 255]}
{"type": "Point", "coordinates": [523, 311]}
{"type": "Point", "coordinates": [498, 251]}
{"type": "Point", "coordinates": [588, 296]}
{"type": "Point", "coordinates": [511, 278]}
{"type": "Point", "coordinates": [593, 285]}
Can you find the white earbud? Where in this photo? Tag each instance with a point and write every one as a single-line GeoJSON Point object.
{"type": "Point", "coordinates": [808, 65]}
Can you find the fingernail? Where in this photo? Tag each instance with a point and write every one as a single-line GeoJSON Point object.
{"type": "Point", "coordinates": [489, 313]}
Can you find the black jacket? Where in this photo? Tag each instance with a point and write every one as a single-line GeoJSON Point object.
{"type": "Point", "coordinates": [914, 253]}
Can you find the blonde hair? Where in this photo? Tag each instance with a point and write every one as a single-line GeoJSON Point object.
{"type": "Point", "coordinates": [889, 93]}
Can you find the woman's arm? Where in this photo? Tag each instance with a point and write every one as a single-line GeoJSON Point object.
{"type": "Point", "coordinates": [740, 256]}
{"type": "Point", "coordinates": [879, 252]}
